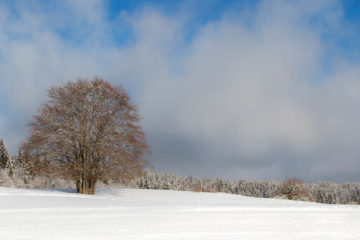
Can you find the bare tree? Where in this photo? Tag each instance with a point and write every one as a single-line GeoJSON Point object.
{"type": "Point", "coordinates": [295, 189]}
{"type": "Point", "coordinates": [87, 132]}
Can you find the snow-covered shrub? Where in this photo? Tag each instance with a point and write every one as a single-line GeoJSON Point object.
{"type": "Point", "coordinates": [5, 179]}
{"type": "Point", "coordinates": [18, 176]}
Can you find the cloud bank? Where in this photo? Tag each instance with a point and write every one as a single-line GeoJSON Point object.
{"type": "Point", "coordinates": [261, 92]}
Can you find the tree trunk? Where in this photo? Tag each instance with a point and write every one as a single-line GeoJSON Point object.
{"type": "Point", "coordinates": [86, 186]}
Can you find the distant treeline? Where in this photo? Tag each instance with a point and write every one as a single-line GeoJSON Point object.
{"type": "Point", "coordinates": [322, 192]}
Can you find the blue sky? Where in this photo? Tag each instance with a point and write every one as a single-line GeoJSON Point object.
{"type": "Point", "coordinates": [255, 89]}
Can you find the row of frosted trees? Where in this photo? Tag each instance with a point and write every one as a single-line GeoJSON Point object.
{"type": "Point", "coordinates": [322, 192]}
{"type": "Point", "coordinates": [15, 174]}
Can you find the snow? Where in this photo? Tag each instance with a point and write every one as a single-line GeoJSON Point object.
{"type": "Point", "coordinates": [156, 214]}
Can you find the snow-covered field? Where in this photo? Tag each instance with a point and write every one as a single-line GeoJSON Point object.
{"type": "Point", "coordinates": [151, 214]}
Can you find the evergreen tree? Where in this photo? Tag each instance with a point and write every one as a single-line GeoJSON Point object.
{"type": "Point", "coordinates": [4, 155]}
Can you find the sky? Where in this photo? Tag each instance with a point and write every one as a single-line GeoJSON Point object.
{"type": "Point", "coordinates": [234, 89]}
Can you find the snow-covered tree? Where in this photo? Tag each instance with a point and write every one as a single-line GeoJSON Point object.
{"type": "Point", "coordinates": [5, 159]}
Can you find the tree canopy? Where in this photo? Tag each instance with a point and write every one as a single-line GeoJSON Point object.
{"type": "Point", "coordinates": [87, 131]}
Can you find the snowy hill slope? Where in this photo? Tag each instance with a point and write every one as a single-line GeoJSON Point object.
{"type": "Point", "coordinates": [154, 214]}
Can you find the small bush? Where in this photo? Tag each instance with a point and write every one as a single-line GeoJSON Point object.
{"type": "Point", "coordinates": [294, 189]}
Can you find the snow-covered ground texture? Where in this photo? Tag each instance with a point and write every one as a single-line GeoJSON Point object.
{"type": "Point", "coordinates": [160, 214]}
